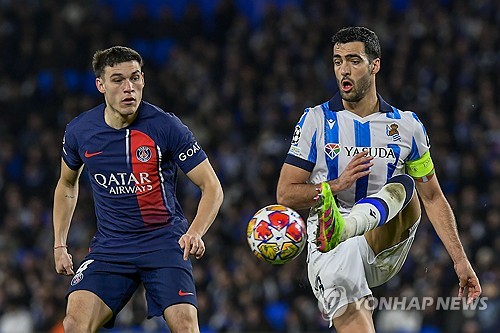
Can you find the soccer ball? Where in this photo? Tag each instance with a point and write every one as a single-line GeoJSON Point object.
{"type": "Point", "coordinates": [276, 234]}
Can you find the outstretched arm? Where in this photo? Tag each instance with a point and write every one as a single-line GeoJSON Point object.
{"type": "Point", "coordinates": [65, 197]}
{"type": "Point", "coordinates": [203, 175]}
{"type": "Point", "coordinates": [442, 218]}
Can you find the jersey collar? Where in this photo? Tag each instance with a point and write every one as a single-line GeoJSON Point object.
{"type": "Point", "coordinates": [335, 104]}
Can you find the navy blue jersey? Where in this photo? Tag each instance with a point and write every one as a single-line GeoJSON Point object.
{"type": "Point", "coordinates": [133, 173]}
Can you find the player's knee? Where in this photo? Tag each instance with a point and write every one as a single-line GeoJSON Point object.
{"type": "Point", "coordinates": [408, 184]}
{"type": "Point", "coordinates": [356, 318]}
{"type": "Point", "coordinates": [182, 319]}
{"type": "Point", "coordinates": [412, 212]}
{"type": "Point", "coordinates": [184, 325]}
{"type": "Point", "coordinates": [74, 324]}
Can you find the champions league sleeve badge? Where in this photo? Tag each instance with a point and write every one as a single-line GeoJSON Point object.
{"type": "Point", "coordinates": [296, 135]}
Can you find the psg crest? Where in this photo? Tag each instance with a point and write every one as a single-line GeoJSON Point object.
{"type": "Point", "coordinates": [143, 153]}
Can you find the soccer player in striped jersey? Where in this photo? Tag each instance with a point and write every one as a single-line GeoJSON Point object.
{"type": "Point", "coordinates": [356, 161]}
{"type": "Point", "coordinates": [132, 150]}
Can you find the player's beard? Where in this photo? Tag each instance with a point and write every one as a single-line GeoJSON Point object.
{"type": "Point", "coordinates": [358, 91]}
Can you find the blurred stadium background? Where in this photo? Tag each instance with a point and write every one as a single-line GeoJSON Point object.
{"type": "Point", "coordinates": [240, 73]}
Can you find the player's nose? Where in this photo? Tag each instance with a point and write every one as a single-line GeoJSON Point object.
{"type": "Point", "coordinates": [128, 85]}
{"type": "Point", "coordinates": [345, 69]}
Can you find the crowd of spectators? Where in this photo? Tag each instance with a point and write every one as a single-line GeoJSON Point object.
{"type": "Point", "coordinates": [240, 73]}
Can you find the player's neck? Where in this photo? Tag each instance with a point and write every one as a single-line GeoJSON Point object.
{"type": "Point", "coordinates": [365, 107]}
{"type": "Point", "coordinates": [118, 120]}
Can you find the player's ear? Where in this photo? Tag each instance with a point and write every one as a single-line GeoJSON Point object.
{"type": "Point", "coordinates": [375, 65]}
{"type": "Point", "coordinates": [100, 85]}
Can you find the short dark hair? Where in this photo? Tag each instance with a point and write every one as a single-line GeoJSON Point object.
{"type": "Point", "coordinates": [113, 56]}
{"type": "Point", "coordinates": [359, 34]}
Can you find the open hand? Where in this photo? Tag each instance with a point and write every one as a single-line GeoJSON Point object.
{"type": "Point", "coordinates": [358, 167]}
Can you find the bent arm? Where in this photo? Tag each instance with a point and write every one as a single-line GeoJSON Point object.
{"type": "Point", "coordinates": [65, 198]}
{"type": "Point", "coordinates": [203, 175]}
{"type": "Point", "coordinates": [292, 190]}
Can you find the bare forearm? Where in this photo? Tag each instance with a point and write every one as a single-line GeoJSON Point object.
{"type": "Point", "coordinates": [297, 196]}
{"type": "Point", "coordinates": [208, 207]}
{"type": "Point", "coordinates": [65, 198]}
{"type": "Point", "coordinates": [303, 196]}
{"type": "Point", "coordinates": [442, 218]}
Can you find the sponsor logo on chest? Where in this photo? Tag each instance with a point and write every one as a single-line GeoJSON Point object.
{"type": "Point", "coordinates": [124, 182]}
{"type": "Point", "coordinates": [332, 150]}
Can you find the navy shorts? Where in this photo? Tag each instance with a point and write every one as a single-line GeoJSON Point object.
{"type": "Point", "coordinates": [115, 283]}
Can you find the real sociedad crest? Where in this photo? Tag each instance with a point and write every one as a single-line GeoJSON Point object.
{"type": "Point", "coordinates": [392, 130]}
{"type": "Point", "coordinates": [143, 153]}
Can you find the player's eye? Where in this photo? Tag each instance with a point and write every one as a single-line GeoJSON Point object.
{"type": "Point", "coordinates": [337, 62]}
{"type": "Point", "coordinates": [117, 80]}
{"type": "Point", "coordinates": [355, 61]}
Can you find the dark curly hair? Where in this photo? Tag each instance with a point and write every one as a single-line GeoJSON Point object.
{"type": "Point", "coordinates": [359, 34]}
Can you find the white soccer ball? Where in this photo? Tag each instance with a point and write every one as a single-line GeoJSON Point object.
{"type": "Point", "coordinates": [276, 234]}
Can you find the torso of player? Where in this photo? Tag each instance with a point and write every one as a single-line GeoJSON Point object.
{"type": "Point", "coordinates": [133, 172]}
{"type": "Point", "coordinates": [377, 134]}
{"type": "Point", "coordinates": [335, 136]}
{"type": "Point", "coordinates": [124, 167]}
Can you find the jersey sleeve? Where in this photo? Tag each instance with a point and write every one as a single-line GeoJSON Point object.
{"type": "Point", "coordinates": [70, 150]}
{"type": "Point", "coordinates": [419, 163]}
{"type": "Point", "coordinates": [302, 152]}
{"type": "Point", "coordinates": [181, 143]}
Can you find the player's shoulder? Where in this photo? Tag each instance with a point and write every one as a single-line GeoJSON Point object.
{"type": "Point", "coordinates": [392, 112]}
{"type": "Point", "coordinates": [150, 110]}
{"type": "Point", "coordinates": [167, 123]}
{"type": "Point", "coordinates": [317, 111]}
{"type": "Point", "coordinates": [87, 118]}
{"type": "Point", "coordinates": [407, 116]}
{"type": "Point", "coordinates": [312, 117]}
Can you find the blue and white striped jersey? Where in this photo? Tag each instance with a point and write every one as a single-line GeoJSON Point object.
{"type": "Point", "coordinates": [327, 137]}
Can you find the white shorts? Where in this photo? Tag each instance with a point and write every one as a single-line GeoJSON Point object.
{"type": "Point", "coordinates": [346, 273]}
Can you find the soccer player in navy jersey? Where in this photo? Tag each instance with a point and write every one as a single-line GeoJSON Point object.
{"type": "Point", "coordinates": [355, 160]}
{"type": "Point", "coordinates": [132, 150]}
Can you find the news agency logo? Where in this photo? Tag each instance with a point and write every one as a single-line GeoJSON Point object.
{"type": "Point", "coordinates": [335, 304]}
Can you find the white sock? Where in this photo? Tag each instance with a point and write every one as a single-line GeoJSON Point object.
{"type": "Point", "coordinates": [374, 210]}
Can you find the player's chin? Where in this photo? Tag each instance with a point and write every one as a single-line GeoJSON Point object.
{"type": "Point", "coordinates": [128, 109]}
{"type": "Point", "coordinates": [345, 94]}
